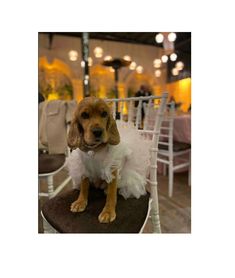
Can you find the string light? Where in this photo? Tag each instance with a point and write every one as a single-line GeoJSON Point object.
{"type": "Point", "coordinates": [98, 51]}
{"type": "Point", "coordinates": [164, 58]}
{"type": "Point", "coordinates": [158, 73]}
{"type": "Point", "coordinates": [73, 55]}
{"type": "Point", "coordinates": [159, 38]}
{"type": "Point", "coordinates": [172, 37]}
{"type": "Point", "coordinates": [139, 69]}
{"type": "Point", "coordinates": [173, 57]}
{"type": "Point", "coordinates": [132, 65]}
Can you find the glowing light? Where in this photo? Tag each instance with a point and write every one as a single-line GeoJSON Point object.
{"type": "Point", "coordinates": [159, 38]}
{"type": "Point", "coordinates": [158, 73]}
{"type": "Point", "coordinates": [73, 55]}
{"type": "Point", "coordinates": [132, 66]}
{"type": "Point", "coordinates": [108, 58]}
{"type": "Point", "coordinates": [173, 57]}
{"type": "Point", "coordinates": [157, 63]}
{"type": "Point", "coordinates": [139, 69]}
{"type": "Point", "coordinates": [172, 37]}
{"type": "Point", "coordinates": [164, 58]}
{"type": "Point", "coordinates": [127, 58]}
{"type": "Point", "coordinates": [111, 69]}
{"type": "Point", "coordinates": [98, 51]}
{"type": "Point", "coordinates": [90, 61]}
{"type": "Point", "coordinates": [82, 64]}
{"type": "Point", "coordinates": [175, 71]}
{"type": "Point", "coordinates": [179, 65]}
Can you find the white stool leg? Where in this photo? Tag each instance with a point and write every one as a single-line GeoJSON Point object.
{"type": "Point", "coordinates": [50, 186]}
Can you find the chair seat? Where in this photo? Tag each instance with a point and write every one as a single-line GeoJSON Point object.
{"type": "Point", "coordinates": [177, 146]}
{"type": "Point", "coordinates": [48, 163]}
{"type": "Point", "coordinates": [131, 213]}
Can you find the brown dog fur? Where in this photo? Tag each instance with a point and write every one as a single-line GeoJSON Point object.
{"type": "Point", "coordinates": [94, 113]}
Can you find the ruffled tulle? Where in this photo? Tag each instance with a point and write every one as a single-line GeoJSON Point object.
{"type": "Point", "coordinates": [130, 158]}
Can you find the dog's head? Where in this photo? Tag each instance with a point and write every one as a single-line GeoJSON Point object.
{"type": "Point", "coordinates": [92, 125]}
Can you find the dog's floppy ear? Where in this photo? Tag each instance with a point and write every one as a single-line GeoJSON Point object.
{"type": "Point", "coordinates": [74, 135]}
{"type": "Point", "coordinates": [113, 134]}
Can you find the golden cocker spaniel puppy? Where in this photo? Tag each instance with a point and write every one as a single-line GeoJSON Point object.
{"type": "Point", "coordinates": [92, 129]}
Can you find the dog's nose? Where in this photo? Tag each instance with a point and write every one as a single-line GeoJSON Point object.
{"type": "Point", "coordinates": [97, 131]}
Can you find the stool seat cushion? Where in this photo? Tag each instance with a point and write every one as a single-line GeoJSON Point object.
{"type": "Point", "coordinates": [131, 213]}
{"type": "Point", "coordinates": [48, 163]}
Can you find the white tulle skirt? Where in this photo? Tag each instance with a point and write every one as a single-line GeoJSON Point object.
{"type": "Point", "coordinates": [130, 158]}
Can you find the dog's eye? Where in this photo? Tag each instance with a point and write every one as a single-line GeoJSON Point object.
{"type": "Point", "coordinates": [85, 115]}
{"type": "Point", "coordinates": [104, 114]}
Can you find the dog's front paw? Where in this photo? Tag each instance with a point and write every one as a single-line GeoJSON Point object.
{"type": "Point", "coordinates": [78, 206]}
{"type": "Point", "coordinates": [107, 215]}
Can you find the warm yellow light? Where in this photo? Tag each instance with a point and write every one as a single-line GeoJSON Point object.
{"type": "Point", "coordinates": [139, 69]}
{"type": "Point", "coordinates": [172, 37]}
{"type": "Point", "coordinates": [108, 58]}
{"type": "Point", "coordinates": [175, 71]}
{"type": "Point", "coordinates": [157, 63]}
{"type": "Point", "coordinates": [159, 38]}
{"type": "Point", "coordinates": [157, 73]}
{"type": "Point", "coordinates": [132, 66]}
{"type": "Point", "coordinates": [82, 64]}
{"type": "Point", "coordinates": [73, 55]}
{"type": "Point", "coordinates": [164, 58]}
{"type": "Point", "coordinates": [179, 65]}
{"type": "Point", "coordinates": [98, 51]}
{"type": "Point", "coordinates": [127, 58]}
{"type": "Point", "coordinates": [90, 61]}
{"type": "Point", "coordinates": [111, 69]}
{"type": "Point", "coordinates": [173, 57]}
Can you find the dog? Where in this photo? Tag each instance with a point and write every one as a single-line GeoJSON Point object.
{"type": "Point", "coordinates": [92, 129]}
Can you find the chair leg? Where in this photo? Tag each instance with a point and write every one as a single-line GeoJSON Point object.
{"type": "Point", "coordinates": [154, 212]}
{"type": "Point", "coordinates": [189, 175]}
{"type": "Point", "coordinates": [189, 170]}
{"type": "Point", "coordinates": [50, 186]}
{"type": "Point", "coordinates": [171, 180]}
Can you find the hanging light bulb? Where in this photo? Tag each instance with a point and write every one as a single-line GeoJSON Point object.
{"type": "Point", "coordinates": [175, 71]}
{"type": "Point", "coordinates": [179, 65]}
{"type": "Point", "coordinates": [139, 69]}
{"type": "Point", "coordinates": [173, 57]}
{"type": "Point", "coordinates": [73, 55]}
{"type": "Point", "coordinates": [159, 38]}
{"type": "Point", "coordinates": [108, 58]}
{"type": "Point", "coordinates": [172, 37]}
{"type": "Point", "coordinates": [164, 58]}
{"type": "Point", "coordinates": [98, 51]}
{"type": "Point", "coordinates": [157, 63]}
{"type": "Point", "coordinates": [127, 58]}
{"type": "Point", "coordinates": [158, 73]}
{"type": "Point", "coordinates": [90, 61]}
{"type": "Point", "coordinates": [132, 65]}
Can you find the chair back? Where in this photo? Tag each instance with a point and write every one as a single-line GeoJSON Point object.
{"type": "Point", "coordinates": [155, 135]}
{"type": "Point", "coordinates": [166, 130]}
{"type": "Point", "coordinates": [54, 118]}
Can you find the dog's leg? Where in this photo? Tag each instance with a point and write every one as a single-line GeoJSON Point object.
{"type": "Point", "coordinates": [81, 203]}
{"type": "Point", "coordinates": [108, 213]}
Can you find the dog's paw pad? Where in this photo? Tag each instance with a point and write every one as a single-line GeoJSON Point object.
{"type": "Point", "coordinates": [78, 206]}
{"type": "Point", "coordinates": [107, 216]}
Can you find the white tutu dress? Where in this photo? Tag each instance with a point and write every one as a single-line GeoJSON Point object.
{"type": "Point", "coordinates": [130, 158]}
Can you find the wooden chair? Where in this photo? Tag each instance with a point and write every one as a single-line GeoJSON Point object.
{"type": "Point", "coordinates": [132, 213]}
{"type": "Point", "coordinates": [52, 161]}
{"type": "Point", "coordinates": [170, 149]}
